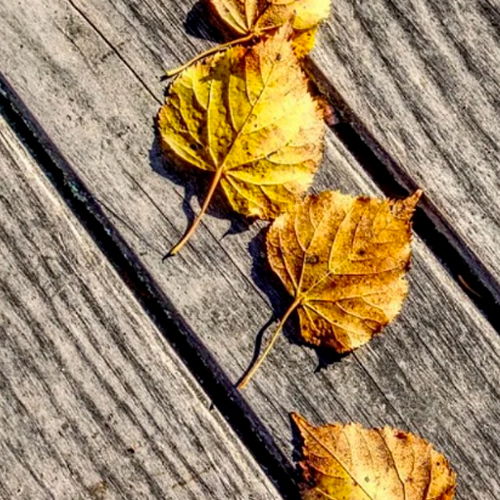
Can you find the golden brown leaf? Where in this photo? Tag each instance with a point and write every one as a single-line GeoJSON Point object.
{"type": "Point", "coordinates": [253, 16]}
{"type": "Point", "coordinates": [343, 259]}
{"type": "Point", "coordinates": [246, 116]}
{"type": "Point", "coordinates": [349, 462]}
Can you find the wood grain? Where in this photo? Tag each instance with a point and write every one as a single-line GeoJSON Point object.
{"type": "Point", "coordinates": [423, 77]}
{"type": "Point", "coordinates": [93, 403]}
{"type": "Point", "coordinates": [96, 95]}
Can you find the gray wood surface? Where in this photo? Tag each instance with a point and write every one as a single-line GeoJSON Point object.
{"type": "Point", "coordinates": [423, 76]}
{"type": "Point", "coordinates": [432, 372]}
{"type": "Point", "coordinates": [93, 403]}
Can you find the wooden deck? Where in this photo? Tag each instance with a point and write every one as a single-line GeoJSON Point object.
{"type": "Point", "coordinates": [117, 368]}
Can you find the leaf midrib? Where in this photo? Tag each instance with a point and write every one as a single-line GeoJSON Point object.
{"type": "Point", "coordinates": [334, 456]}
{"type": "Point", "coordinates": [249, 114]}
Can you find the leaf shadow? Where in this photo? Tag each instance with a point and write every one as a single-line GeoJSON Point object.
{"type": "Point", "coordinates": [268, 282]}
{"type": "Point", "coordinates": [198, 23]}
{"type": "Point", "coordinates": [297, 442]}
{"type": "Point", "coordinates": [195, 184]}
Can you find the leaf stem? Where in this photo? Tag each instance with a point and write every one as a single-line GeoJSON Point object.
{"type": "Point", "coordinates": [251, 372]}
{"type": "Point", "coordinates": [208, 52]}
{"type": "Point", "coordinates": [187, 235]}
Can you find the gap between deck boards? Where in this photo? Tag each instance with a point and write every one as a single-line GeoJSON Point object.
{"type": "Point", "coordinates": [193, 353]}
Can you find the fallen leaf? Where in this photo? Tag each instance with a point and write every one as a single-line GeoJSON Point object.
{"type": "Point", "coordinates": [250, 19]}
{"type": "Point", "coordinates": [245, 17]}
{"type": "Point", "coordinates": [246, 116]}
{"type": "Point", "coordinates": [349, 462]}
{"type": "Point", "coordinates": [252, 16]}
{"type": "Point", "coordinates": [343, 260]}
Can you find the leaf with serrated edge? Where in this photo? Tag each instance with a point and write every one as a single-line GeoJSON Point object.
{"type": "Point", "coordinates": [343, 260]}
{"type": "Point", "coordinates": [349, 462]}
{"type": "Point", "coordinates": [246, 116]}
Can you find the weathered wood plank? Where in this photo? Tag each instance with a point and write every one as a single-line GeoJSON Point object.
{"type": "Point", "coordinates": [93, 403]}
{"type": "Point", "coordinates": [423, 76]}
{"type": "Point", "coordinates": [430, 372]}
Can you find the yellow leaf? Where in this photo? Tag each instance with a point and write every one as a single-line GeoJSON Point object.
{"type": "Point", "coordinates": [246, 116]}
{"type": "Point", "coordinates": [305, 14]}
{"type": "Point", "coordinates": [343, 260]}
{"type": "Point", "coordinates": [303, 42]}
{"type": "Point", "coordinates": [349, 462]}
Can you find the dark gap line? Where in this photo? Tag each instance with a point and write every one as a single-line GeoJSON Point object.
{"type": "Point", "coordinates": [197, 358]}
{"type": "Point", "coordinates": [463, 265]}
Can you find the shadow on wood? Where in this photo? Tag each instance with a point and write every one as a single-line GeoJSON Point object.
{"type": "Point", "coordinates": [196, 23]}
{"type": "Point", "coordinates": [267, 281]}
{"type": "Point", "coordinates": [195, 182]}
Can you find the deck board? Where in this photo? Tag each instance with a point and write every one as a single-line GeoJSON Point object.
{"type": "Point", "coordinates": [94, 404]}
{"type": "Point", "coordinates": [429, 373]}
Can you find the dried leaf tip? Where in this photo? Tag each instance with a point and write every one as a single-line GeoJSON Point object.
{"type": "Point", "coordinates": [406, 207]}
